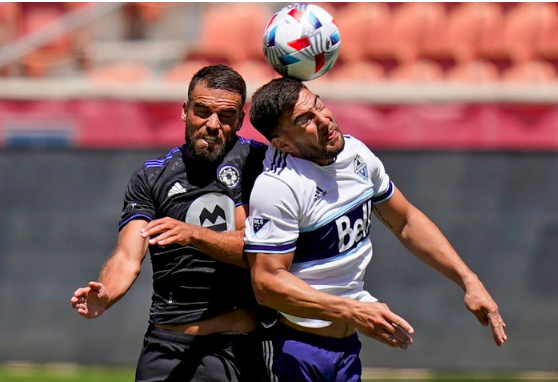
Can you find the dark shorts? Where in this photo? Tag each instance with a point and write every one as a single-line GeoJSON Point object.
{"type": "Point", "coordinates": [299, 356]}
{"type": "Point", "coordinates": [170, 356]}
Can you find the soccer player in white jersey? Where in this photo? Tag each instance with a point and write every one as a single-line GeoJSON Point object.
{"type": "Point", "coordinates": [307, 238]}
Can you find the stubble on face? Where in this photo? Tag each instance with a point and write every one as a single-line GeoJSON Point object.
{"type": "Point", "coordinates": [199, 150]}
{"type": "Point", "coordinates": [212, 119]}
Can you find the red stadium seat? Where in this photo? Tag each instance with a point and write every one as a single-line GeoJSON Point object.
{"type": "Point", "coordinates": [122, 72]}
{"type": "Point", "coordinates": [357, 72]}
{"type": "Point", "coordinates": [8, 32]}
{"type": "Point", "coordinates": [231, 32]}
{"type": "Point", "coordinates": [69, 47]}
{"type": "Point", "coordinates": [418, 71]}
{"type": "Point", "coordinates": [183, 71]}
{"type": "Point", "coordinates": [532, 72]}
{"type": "Point", "coordinates": [474, 71]}
{"type": "Point", "coordinates": [525, 26]}
{"type": "Point", "coordinates": [255, 71]}
{"type": "Point", "coordinates": [365, 31]}
{"type": "Point", "coordinates": [417, 28]}
{"type": "Point", "coordinates": [472, 28]}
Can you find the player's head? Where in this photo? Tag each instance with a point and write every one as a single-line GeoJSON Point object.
{"type": "Point", "coordinates": [214, 111]}
{"type": "Point", "coordinates": [296, 121]}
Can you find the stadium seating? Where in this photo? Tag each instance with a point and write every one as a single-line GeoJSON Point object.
{"type": "Point", "coordinates": [466, 41]}
{"type": "Point", "coordinates": [231, 33]}
{"type": "Point", "coordinates": [66, 48]}
{"type": "Point", "coordinates": [473, 71]}
{"type": "Point", "coordinates": [417, 71]}
{"type": "Point", "coordinates": [183, 71]}
{"type": "Point", "coordinates": [532, 71]}
{"type": "Point", "coordinates": [122, 72]}
{"type": "Point", "coordinates": [358, 71]}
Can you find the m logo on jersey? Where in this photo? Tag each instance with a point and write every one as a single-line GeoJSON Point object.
{"type": "Point", "coordinates": [217, 219]}
{"type": "Point", "coordinates": [229, 175]}
{"type": "Point", "coordinates": [361, 168]}
{"type": "Point", "coordinates": [214, 211]}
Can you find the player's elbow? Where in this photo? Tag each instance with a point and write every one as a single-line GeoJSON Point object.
{"type": "Point", "coordinates": [264, 289]}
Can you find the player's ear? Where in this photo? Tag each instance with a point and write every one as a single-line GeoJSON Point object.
{"type": "Point", "coordinates": [240, 119]}
{"type": "Point", "coordinates": [282, 145]}
{"type": "Point", "coordinates": [184, 111]}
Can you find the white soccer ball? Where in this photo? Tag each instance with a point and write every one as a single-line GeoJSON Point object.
{"type": "Point", "coordinates": [301, 41]}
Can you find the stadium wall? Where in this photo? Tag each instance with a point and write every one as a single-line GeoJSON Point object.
{"type": "Point", "coordinates": [59, 210]}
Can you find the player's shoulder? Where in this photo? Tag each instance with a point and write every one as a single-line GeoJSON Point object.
{"type": "Point", "coordinates": [246, 152]}
{"type": "Point", "coordinates": [286, 168]}
{"type": "Point", "coordinates": [353, 143]}
{"type": "Point", "coordinates": [153, 169]}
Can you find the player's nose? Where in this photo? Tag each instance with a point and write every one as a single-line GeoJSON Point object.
{"type": "Point", "coordinates": [322, 121]}
{"type": "Point", "coordinates": [213, 121]}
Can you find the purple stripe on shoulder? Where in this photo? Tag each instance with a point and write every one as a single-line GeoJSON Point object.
{"type": "Point", "coordinates": [149, 218]}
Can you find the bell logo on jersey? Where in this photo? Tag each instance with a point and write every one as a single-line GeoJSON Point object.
{"type": "Point", "coordinates": [352, 234]}
{"type": "Point", "coordinates": [360, 167]}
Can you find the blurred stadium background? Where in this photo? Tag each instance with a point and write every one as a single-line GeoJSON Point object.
{"type": "Point", "coordinates": [460, 100]}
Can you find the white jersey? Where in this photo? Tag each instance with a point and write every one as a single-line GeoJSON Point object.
{"type": "Point", "coordinates": [322, 213]}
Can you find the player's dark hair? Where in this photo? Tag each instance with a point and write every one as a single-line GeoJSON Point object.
{"type": "Point", "coordinates": [271, 102]}
{"type": "Point", "coordinates": [221, 77]}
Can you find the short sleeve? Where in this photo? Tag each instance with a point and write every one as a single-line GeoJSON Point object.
{"type": "Point", "coordinates": [273, 223]}
{"type": "Point", "coordinates": [382, 185]}
{"type": "Point", "coordinates": [138, 203]}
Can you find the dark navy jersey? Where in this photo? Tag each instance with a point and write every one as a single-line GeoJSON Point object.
{"type": "Point", "coordinates": [188, 285]}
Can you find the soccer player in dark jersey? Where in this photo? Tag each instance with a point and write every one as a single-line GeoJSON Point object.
{"type": "Point", "coordinates": [189, 208]}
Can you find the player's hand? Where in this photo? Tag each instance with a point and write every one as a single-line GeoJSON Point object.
{"type": "Point", "coordinates": [376, 320]}
{"type": "Point", "coordinates": [479, 302]}
{"type": "Point", "coordinates": [91, 301]}
{"type": "Point", "coordinates": [169, 231]}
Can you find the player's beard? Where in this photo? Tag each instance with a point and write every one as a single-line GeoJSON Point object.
{"type": "Point", "coordinates": [328, 152]}
{"type": "Point", "coordinates": [198, 149]}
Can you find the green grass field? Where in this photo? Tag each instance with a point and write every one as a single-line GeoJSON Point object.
{"type": "Point", "coordinates": [70, 373]}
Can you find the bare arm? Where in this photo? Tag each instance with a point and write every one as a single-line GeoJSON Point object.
{"type": "Point", "coordinates": [117, 275]}
{"type": "Point", "coordinates": [277, 288]}
{"type": "Point", "coordinates": [227, 247]}
{"type": "Point", "coordinates": [423, 238]}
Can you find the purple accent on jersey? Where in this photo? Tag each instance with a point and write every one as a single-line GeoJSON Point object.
{"type": "Point", "coordinates": [149, 218]}
{"type": "Point", "coordinates": [385, 196]}
{"type": "Point", "coordinates": [299, 356]}
{"type": "Point", "coordinates": [161, 162]}
{"type": "Point", "coordinates": [325, 242]}
{"type": "Point", "coordinates": [270, 248]}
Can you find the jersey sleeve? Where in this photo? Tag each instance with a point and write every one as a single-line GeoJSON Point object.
{"type": "Point", "coordinates": [272, 225]}
{"type": "Point", "coordinates": [252, 168]}
{"type": "Point", "coordinates": [381, 183]}
{"type": "Point", "coordinates": [138, 204]}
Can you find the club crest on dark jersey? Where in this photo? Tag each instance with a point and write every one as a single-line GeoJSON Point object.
{"type": "Point", "coordinates": [361, 168]}
{"type": "Point", "coordinates": [229, 175]}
